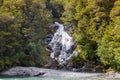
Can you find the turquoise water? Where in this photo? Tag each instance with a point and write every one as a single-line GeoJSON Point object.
{"type": "Point", "coordinates": [36, 78]}
{"type": "Point", "coordinates": [46, 78]}
{"type": "Point", "coordinates": [50, 78]}
{"type": "Point", "coordinates": [42, 78]}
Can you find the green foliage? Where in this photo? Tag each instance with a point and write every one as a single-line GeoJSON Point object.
{"type": "Point", "coordinates": [109, 49]}
{"type": "Point", "coordinates": [82, 39]}
{"type": "Point", "coordinates": [96, 30]}
{"type": "Point", "coordinates": [88, 47]}
{"type": "Point", "coordinates": [5, 63]}
{"type": "Point", "coordinates": [23, 24]}
{"type": "Point", "coordinates": [95, 25]}
{"type": "Point", "coordinates": [35, 53]}
{"type": "Point", "coordinates": [77, 60]}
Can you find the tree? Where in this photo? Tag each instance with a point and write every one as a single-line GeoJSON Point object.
{"type": "Point", "coordinates": [23, 24]}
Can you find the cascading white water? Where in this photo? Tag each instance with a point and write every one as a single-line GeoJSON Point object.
{"type": "Point", "coordinates": [61, 44]}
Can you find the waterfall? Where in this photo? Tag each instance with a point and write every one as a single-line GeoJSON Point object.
{"type": "Point", "coordinates": [62, 45]}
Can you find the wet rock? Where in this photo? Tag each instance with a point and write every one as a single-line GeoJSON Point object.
{"type": "Point", "coordinates": [23, 71]}
{"type": "Point", "coordinates": [48, 48]}
{"type": "Point", "coordinates": [58, 47]}
{"type": "Point", "coordinates": [48, 38]}
{"type": "Point", "coordinates": [52, 64]}
{"type": "Point", "coordinates": [75, 70]}
{"type": "Point", "coordinates": [57, 54]}
{"type": "Point", "coordinates": [73, 47]}
{"type": "Point", "coordinates": [88, 64]}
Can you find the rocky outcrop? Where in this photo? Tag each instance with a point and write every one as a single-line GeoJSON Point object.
{"type": "Point", "coordinates": [23, 71]}
{"type": "Point", "coordinates": [52, 64]}
{"type": "Point", "coordinates": [48, 38]}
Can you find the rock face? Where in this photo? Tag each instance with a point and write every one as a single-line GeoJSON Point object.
{"type": "Point", "coordinates": [48, 38]}
{"type": "Point", "coordinates": [23, 71]}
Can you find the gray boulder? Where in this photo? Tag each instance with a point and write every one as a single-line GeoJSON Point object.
{"type": "Point", "coordinates": [23, 71]}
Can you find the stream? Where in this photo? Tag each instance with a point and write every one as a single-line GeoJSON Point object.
{"type": "Point", "coordinates": [51, 74]}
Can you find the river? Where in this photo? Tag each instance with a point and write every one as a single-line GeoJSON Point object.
{"type": "Point", "coordinates": [64, 75]}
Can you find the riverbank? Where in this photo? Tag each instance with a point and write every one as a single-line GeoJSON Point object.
{"type": "Point", "coordinates": [58, 73]}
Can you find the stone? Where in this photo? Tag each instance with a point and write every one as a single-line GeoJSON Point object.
{"type": "Point", "coordinates": [23, 71]}
{"type": "Point", "coordinates": [52, 64]}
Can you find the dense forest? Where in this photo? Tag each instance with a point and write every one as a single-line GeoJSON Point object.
{"type": "Point", "coordinates": [95, 27]}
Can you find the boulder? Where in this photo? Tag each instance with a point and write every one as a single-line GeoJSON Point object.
{"type": "Point", "coordinates": [23, 71]}
{"type": "Point", "coordinates": [52, 64]}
